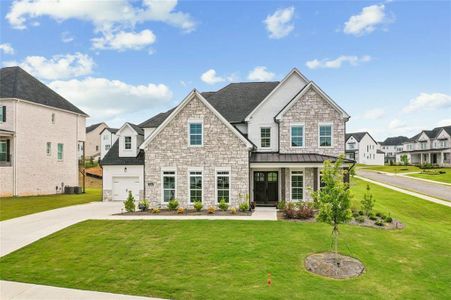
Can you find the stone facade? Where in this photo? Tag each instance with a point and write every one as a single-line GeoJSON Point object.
{"type": "Point", "coordinates": [221, 149]}
{"type": "Point", "coordinates": [311, 110]}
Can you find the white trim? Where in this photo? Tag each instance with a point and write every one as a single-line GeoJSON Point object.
{"type": "Point", "coordinates": [331, 134]}
{"type": "Point", "coordinates": [123, 126]}
{"type": "Point", "coordinates": [293, 71]}
{"type": "Point", "coordinates": [270, 135]}
{"type": "Point", "coordinates": [168, 169]}
{"type": "Point", "coordinates": [303, 184]}
{"type": "Point", "coordinates": [195, 121]}
{"type": "Point", "coordinates": [303, 135]}
{"type": "Point", "coordinates": [311, 84]}
{"type": "Point", "coordinates": [189, 183]}
{"type": "Point", "coordinates": [194, 93]}
{"type": "Point", "coordinates": [224, 169]}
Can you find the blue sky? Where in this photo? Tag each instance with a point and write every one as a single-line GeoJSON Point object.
{"type": "Point", "coordinates": [388, 64]}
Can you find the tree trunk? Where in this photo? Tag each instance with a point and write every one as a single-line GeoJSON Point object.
{"type": "Point", "coordinates": [335, 237]}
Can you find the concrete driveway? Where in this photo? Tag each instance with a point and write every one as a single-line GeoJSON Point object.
{"type": "Point", "coordinates": [19, 232]}
{"type": "Point", "coordinates": [436, 190]}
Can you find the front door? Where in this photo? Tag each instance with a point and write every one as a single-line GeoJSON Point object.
{"type": "Point", "coordinates": [266, 187]}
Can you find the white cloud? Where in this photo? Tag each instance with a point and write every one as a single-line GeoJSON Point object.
{"type": "Point", "coordinates": [429, 102]}
{"type": "Point", "coordinates": [260, 73]}
{"type": "Point", "coordinates": [66, 37]}
{"type": "Point", "coordinates": [56, 67]}
{"type": "Point", "coordinates": [105, 15]}
{"type": "Point", "coordinates": [338, 62]}
{"type": "Point", "coordinates": [373, 114]}
{"type": "Point", "coordinates": [122, 40]}
{"type": "Point", "coordinates": [104, 99]}
{"type": "Point", "coordinates": [398, 127]}
{"type": "Point", "coordinates": [279, 24]}
{"type": "Point", "coordinates": [6, 48]}
{"type": "Point", "coordinates": [444, 122]}
{"type": "Point", "coordinates": [366, 21]}
{"type": "Point", "coordinates": [210, 77]}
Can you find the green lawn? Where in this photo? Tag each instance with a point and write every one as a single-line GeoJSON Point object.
{"type": "Point", "coordinates": [391, 169]}
{"type": "Point", "coordinates": [231, 259]}
{"type": "Point", "coordinates": [439, 177]}
{"type": "Point", "coordinates": [13, 207]}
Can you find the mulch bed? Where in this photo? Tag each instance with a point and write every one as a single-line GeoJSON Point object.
{"type": "Point", "coordinates": [188, 212]}
{"type": "Point", "coordinates": [395, 224]}
{"type": "Point", "coordinates": [281, 216]}
{"type": "Point", "coordinates": [328, 265]}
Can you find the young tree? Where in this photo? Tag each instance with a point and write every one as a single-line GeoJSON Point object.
{"type": "Point", "coordinates": [367, 201]}
{"type": "Point", "coordinates": [334, 199]}
{"type": "Point", "coordinates": [130, 203]}
{"type": "Point", "coordinates": [404, 159]}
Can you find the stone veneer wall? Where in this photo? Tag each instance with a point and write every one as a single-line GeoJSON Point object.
{"type": "Point", "coordinates": [311, 110]}
{"type": "Point", "coordinates": [308, 183]}
{"type": "Point", "coordinates": [221, 149]}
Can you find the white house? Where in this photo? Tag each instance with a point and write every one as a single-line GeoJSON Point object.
{"type": "Point", "coordinates": [265, 141]}
{"type": "Point", "coordinates": [392, 146]}
{"type": "Point", "coordinates": [39, 136]}
{"type": "Point", "coordinates": [361, 147]}
{"type": "Point", "coordinates": [107, 138]}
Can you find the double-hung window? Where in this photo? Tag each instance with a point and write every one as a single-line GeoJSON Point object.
{"type": "Point", "coordinates": [223, 186]}
{"type": "Point", "coordinates": [49, 149]}
{"type": "Point", "coordinates": [168, 185]}
{"type": "Point", "coordinates": [3, 150]}
{"type": "Point", "coordinates": [60, 151]}
{"type": "Point", "coordinates": [265, 137]}
{"type": "Point", "coordinates": [297, 135]}
{"type": "Point", "coordinates": [128, 142]}
{"type": "Point", "coordinates": [325, 135]}
{"type": "Point", "coordinates": [195, 186]}
{"type": "Point", "coordinates": [195, 133]}
{"type": "Point", "coordinates": [297, 185]}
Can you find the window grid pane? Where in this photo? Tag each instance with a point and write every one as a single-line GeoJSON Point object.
{"type": "Point", "coordinates": [195, 186]}
{"type": "Point", "coordinates": [265, 137]}
{"type": "Point", "coordinates": [3, 154]}
{"type": "Point", "coordinates": [195, 134]}
{"type": "Point", "coordinates": [297, 136]}
{"type": "Point", "coordinates": [297, 187]}
{"type": "Point", "coordinates": [325, 136]}
{"type": "Point", "coordinates": [223, 186]}
{"type": "Point", "coordinates": [168, 185]}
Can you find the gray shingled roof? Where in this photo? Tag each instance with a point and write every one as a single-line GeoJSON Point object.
{"type": "Point", "coordinates": [92, 127]}
{"type": "Point", "coordinates": [17, 83]}
{"type": "Point", "coordinates": [234, 101]}
{"type": "Point", "coordinates": [394, 141]}
{"type": "Point", "coordinates": [357, 135]}
{"type": "Point", "coordinates": [138, 129]}
{"type": "Point", "coordinates": [112, 157]}
{"type": "Point", "coordinates": [275, 157]}
{"type": "Point", "coordinates": [432, 134]}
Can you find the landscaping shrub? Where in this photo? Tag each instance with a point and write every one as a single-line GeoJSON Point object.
{"type": "Point", "coordinates": [290, 213]}
{"type": "Point", "coordinates": [379, 223]}
{"type": "Point", "coordinates": [355, 214]}
{"type": "Point", "coordinates": [244, 206]}
{"type": "Point", "coordinates": [211, 210]}
{"type": "Point", "coordinates": [372, 217]}
{"type": "Point", "coordinates": [379, 214]}
{"type": "Point", "coordinates": [367, 201]}
{"type": "Point", "coordinates": [143, 205]}
{"type": "Point", "coordinates": [360, 219]}
{"type": "Point", "coordinates": [291, 205]}
{"type": "Point", "coordinates": [361, 212]}
{"type": "Point", "coordinates": [180, 210]}
{"type": "Point", "coordinates": [129, 204]}
{"type": "Point", "coordinates": [281, 205]}
{"type": "Point", "coordinates": [155, 210]}
{"type": "Point", "coordinates": [388, 219]}
{"type": "Point", "coordinates": [198, 205]}
{"type": "Point", "coordinates": [223, 205]}
{"type": "Point", "coordinates": [233, 211]}
{"type": "Point", "coordinates": [305, 212]}
{"type": "Point", "coordinates": [173, 204]}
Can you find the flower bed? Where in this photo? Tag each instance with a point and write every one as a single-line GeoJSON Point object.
{"type": "Point", "coordinates": [186, 212]}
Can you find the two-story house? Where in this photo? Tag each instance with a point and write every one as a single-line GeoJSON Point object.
{"type": "Point", "coordinates": [107, 138]}
{"type": "Point", "coordinates": [392, 146]}
{"type": "Point", "coordinates": [265, 141]}
{"type": "Point", "coordinates": [429, 147]}
{"type": "Point", "coordinates": [93, 140]}
{"type": "Point", "coordinates": [39, 135]}
{"type": "Point", "coordinates": [361, 147]}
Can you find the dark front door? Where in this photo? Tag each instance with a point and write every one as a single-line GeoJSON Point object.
{"type": "Point", "coordinates": [266, 187]}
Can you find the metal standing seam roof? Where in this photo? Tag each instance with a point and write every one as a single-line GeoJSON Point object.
{"type": "Point", "coordinates": [17, 83]}
{"type": "Point", "coordinates": [275, 157]}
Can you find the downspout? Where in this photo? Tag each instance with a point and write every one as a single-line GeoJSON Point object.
{"type": "Point", "coordinates": [15, 150]}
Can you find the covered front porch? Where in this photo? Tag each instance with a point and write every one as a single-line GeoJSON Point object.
{"type": "Point", "coordinates": [278, 177]}
{"type": "Point", "coordinates": [441, 158]}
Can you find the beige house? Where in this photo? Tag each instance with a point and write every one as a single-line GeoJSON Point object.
{"type": "Point", "coordinates": [93, 140]}
{"type": "Point", "coordinates": [265, 141]}
{"type": "Point", "coordinates": [39, 135]}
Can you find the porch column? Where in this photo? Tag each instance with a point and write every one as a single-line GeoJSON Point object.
{"type": "Point", "coordinates": [429, 158]}
{"type": "Point", "coordinates": [282, 183]}
{"type": "Point", "coordinates": [315, 179]}
{"type": "Point", "coordinates": [421, 158]}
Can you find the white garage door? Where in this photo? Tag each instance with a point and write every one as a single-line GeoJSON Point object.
{"type": "Point", "coordinates": [121, 186]}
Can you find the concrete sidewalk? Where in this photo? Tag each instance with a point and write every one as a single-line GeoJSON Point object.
{"type": "Point", "coordinates": [19, 232]}
{"type": "Point", "coordinates": [24, 291]}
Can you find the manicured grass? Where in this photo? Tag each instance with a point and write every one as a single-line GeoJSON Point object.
{"type": "Point", "coordinates": [391, 169]}
{"type": "Point", "coordinates": [439, 177]}
{"type": "Point", "coordinates": [231, 259]}
{"type": "Point", "coordinates": [13, 207]}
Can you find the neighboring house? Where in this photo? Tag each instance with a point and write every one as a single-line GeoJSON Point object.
{"type": "Point", "coordinates": [107, 138]}
{"type": "Point", "coordinates": [429, 147]}
{"type": "Point", "coordinates": [361, 147]}
{"type": "Point", "coordinates": [39, 135]}
{"type": "Point", "coordinates": [93, 142]}
{"type": "Point", "coordinates": [262, 140]}
{"type": "Point", "coordinates": [391, 146]}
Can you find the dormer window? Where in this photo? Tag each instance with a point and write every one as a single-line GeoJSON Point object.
{"type": "Point", "coordinates": [128, 143]}
{"type": "Point", "coordinates": [195, 133]}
